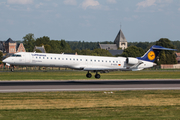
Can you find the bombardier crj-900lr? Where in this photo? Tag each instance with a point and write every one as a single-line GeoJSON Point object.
{"type": "Point", "coordinates": [87, 63]}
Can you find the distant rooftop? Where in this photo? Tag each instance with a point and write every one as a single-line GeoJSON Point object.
{"type": "Point", "coordinates": [10, 41]}
{"type": "Point", "coordinates": [120, 37]}
{"type": "Point", "coordinates": [108, 46]}
{"type": "Point", "coordinates": [116, 52]}
{"type": "Point", "coordinates": [41, 48]}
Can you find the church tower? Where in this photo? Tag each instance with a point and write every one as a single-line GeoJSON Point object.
{"type": "Point", "coordinates": [121, 41]}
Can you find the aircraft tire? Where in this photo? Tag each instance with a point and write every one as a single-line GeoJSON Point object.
{"type": "Point", "coordinates": [88, 75]}
{"type": "Point", "coordinates": [97, 76]}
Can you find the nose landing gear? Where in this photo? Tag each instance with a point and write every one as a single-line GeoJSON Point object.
{"type": "Point", "coordinates": [12, 68]}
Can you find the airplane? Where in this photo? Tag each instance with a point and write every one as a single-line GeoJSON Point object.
{"type": "Point", "coordinates": [84, 62]}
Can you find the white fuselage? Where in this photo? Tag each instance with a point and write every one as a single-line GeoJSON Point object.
{"type": "Point", "coordinates": [82, 62]}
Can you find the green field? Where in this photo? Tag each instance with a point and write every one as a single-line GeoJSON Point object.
{"type": "Point", "coordinates": [80, 75]}
{"type": "Point", "coordinates": [102, 105]}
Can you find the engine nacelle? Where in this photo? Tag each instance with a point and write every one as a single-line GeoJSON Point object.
{"type": "Point", "coordinates": [131, 60]}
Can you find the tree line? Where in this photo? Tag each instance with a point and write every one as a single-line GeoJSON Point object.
{"type": "Point", "coordinates": [61, 46]}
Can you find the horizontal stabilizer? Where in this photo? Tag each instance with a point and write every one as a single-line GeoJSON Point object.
{"type": "Point", "coordinates": [156, 47]}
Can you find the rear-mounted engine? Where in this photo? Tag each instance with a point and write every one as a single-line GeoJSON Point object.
{"type": "Point", "coordinates": [131, 60]}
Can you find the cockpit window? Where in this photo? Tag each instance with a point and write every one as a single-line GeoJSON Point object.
{"type": "Point", "coordinates": [18, 55]}
{"type": "Point", "coordinates": [15, 55]}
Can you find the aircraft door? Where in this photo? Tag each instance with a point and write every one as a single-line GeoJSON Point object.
{"type": "Point", "coordinates": [27, 58]}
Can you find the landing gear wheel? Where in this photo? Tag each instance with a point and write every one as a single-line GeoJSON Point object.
{"type": "Point", "coordinates": [88, 75]}
{"type": "Point", "coordinates": [97, 76]}
{"type": "Point", "coordinates": [12, 69]}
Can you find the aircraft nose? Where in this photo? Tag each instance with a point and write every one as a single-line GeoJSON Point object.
{"type": "Point", "coordinates": [4, 61]}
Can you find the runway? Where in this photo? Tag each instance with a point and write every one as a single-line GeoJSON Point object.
{"type": "Point", "coordinates": [93, 85]}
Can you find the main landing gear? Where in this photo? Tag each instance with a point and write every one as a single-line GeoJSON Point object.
{"type": "Point", "coordinates": [89, 75]}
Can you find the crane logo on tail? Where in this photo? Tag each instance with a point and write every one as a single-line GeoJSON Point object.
{"type": "Point", "coordinates": [151, 55]}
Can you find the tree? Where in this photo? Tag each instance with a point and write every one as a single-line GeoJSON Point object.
{"type": "Point", "coordinates": [162, 58]}
{"type": "Point", "coordinates": [133, 51]}
{"type": "Point", "coordinates": [83, 45]}
{"type": "Point", "coordinates": [1, 57]}
{"type": "Point", "coordinates": [63, 43]}
{"type": "Point", "coordinates": [42, 40]}
{"type": "Point", "coordinates": [38, 51]}
{"type": "Point", "coordinates": [144, 45]}
{"type": "Point", "coordinates": [166, 57]}
{"type": "Point", "coordinates": [101, 52]}
{"type": "Point", "coordinates": [29, 42]}
{"type": "Point", "coordinates": [47, 48]}
{"type": "Point", "coordinates": [176, 44]}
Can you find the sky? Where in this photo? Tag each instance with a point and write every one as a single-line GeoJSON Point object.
{"type": "Point", "coordinates": [90, 20]}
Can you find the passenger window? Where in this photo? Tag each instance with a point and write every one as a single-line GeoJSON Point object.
{"type": "Point", "coordinates": [116, 61]}
{"type": "Point", "coordinates": [51, 57]}
{"type": "Point", "coordinates": [102, 60]}
{"type": "Point", "coordinates": [47, 58]}
{"type": "Point", "coordinates": [43, 57]}
{"type": "Point", "coordinates": [66, 58]}
{"type": "Point", "coordinates": [77, 59]}
{"type": "Point", "coordinates": [80, 59]}
{"type": "Point", "coordinates": [39, 57]}
{"type": "Point", "coordinates": [91, 60]}
{"type": "Point", "coordinates": [110, 61]}
{"type": "Point", "coordinates": [62, 58]}
{"type": "Point", "coordinates": [98, 60]}
{"type": "Point", "coordinates": [58, 58]}
{"type": "Point", "coordinates": [36, 57]}
{"type": "Point", "coordinates": [94, 60]}
{"type": "Point", "coordinates": [86, 60]}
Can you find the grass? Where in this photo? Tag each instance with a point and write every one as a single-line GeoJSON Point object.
{"type": "Point", "coordinates": [125, 105]}
{"type": "Point", "coordinates": [80, 75]}
{"type": "Point", "coordinates": [91, 105]}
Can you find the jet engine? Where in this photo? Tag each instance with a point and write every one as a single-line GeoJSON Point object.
{"type": "Point", "coordinates": [131, 60]}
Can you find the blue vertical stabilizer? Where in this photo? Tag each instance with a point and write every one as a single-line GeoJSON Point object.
{"type": "Point", "coordinates": [153, 52]}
